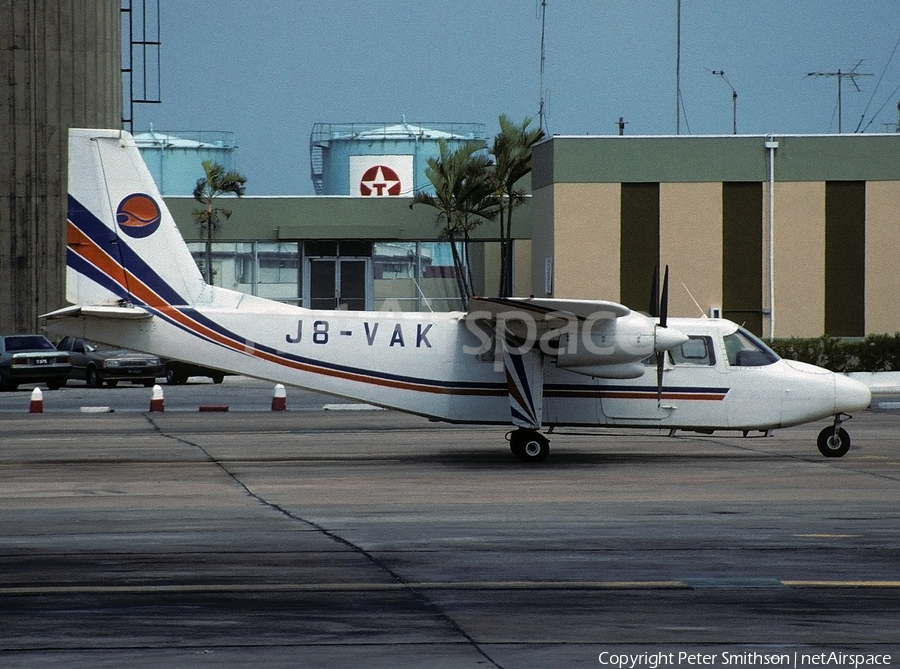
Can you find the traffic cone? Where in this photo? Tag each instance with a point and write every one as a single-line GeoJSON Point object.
{"type": "Point", "coordinates": [37, 401]}
{"type": "Point", "coordinates": [279, 398]}
{"type": "Point", "coordinates": [157, 402]}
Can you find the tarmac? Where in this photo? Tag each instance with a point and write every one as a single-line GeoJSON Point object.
{"type": "Point", "coordinates": [323, 538]}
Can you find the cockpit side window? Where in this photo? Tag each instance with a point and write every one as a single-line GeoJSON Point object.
{"type": "Point", "coordinates": [745, 350]}
{"type": "Point", "coordinates": [697, 350]}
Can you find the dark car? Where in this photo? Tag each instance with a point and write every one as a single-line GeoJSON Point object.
{"type": "Point", "coordinates": [31, 358]}
{"type": "Point", "coordinates": [178, 372]}
{"type": "Point", "coordinates": [98, 364]}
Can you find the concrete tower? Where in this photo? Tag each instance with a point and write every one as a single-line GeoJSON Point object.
{"type": "Point", "coordinates": [60, 67]}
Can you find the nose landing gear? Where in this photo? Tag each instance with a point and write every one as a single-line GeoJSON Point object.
{"type": "Point", "coordinates": [833, 441]}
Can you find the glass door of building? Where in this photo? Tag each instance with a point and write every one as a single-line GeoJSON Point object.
{"type": "Point", "coordinates": [339, 283]}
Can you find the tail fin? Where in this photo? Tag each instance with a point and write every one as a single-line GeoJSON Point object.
{"type": "Point", "coordinates": [123, 244]}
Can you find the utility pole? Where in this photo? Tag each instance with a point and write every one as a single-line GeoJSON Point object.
{"type": "Point", "coordinates": [678, 69]}
{"type": "Point", "coordinates": [851, 75]}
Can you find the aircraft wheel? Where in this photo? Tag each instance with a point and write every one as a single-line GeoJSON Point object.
{"type": "Point", "coordinates": [173, 378]}
{"type": "Point", "coordinates": [529, 445]}
{"type": "Point", "coordinates": [833, 443]}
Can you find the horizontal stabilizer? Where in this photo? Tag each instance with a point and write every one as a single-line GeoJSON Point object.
{"type": "Point", "coordinates": [129, 313]}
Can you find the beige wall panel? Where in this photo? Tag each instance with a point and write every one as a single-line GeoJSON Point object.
{"type": "Point", "coordinates": [799, 259]}
{"type": "Point", "coordinates": [690, 240]}
{"type": "Point", "coordinates": [521, 268]}
{"type": "Point", "coordinates": [882, 257]}
{"type": "Point", "coordinates": [586, 239]}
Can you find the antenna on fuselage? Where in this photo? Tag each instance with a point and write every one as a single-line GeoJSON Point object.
{"type": "Point", "coordinates": [699, 308]}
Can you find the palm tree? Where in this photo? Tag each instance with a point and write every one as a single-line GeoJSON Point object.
{"type": "Point", "coordinates": [512, 157]}
{"type": "Point", "coordinates": [216, 183]}
{"type": "Point", "coordinates": [463, 197]}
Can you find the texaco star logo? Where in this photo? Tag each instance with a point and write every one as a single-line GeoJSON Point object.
{"type": "Point", "coordinates": [380, 180]}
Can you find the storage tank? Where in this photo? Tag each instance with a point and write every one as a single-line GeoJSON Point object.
{"type": "Point", "coordinates": [175, 158]}
{"type": "Point", "coordinates": [378, 159]}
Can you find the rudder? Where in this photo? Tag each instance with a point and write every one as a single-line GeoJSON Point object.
{"type": "Point", "coordinates": [122, 243]}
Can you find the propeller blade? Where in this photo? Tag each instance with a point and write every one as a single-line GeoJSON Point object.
{"type": "Point", "coordinates": [661, 354]}
{"type": "Point", "coordinates": [660, 365]}
{"type": "Point", "coordinates": [654, 294]}
{"type": "Point", "coordinates": [664, 300]}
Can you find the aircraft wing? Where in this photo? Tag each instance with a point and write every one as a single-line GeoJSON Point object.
{"type": "Point", "coordinates": [545, 309]}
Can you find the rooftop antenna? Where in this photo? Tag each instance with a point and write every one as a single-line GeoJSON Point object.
{"type": "Point", "coordinates": [851, 75]}
{"type": "Point", "coordinates": [543, 12]}
{"type": "Point", "coordinates": [721, 73]}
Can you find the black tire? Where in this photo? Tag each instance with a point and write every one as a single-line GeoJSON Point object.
{"type": "Point", "coordinates": [56, 384]}
{"type": "Point", "coordinates": [148, 383]}
{"type": "Point", "coordinates": [93, 378]}
{"type": "Point", "coordinates": [529, 445]}
{"type": "Point", "coordinates": [173, 378]}
{"type": "Point", "coordinates": [112, 383]}
{"type": "Point", "coordinates": [833, 443]}
{"type": "Point", "coordinates": [217, 378]}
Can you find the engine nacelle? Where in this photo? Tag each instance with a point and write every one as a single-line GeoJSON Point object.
{"type": "Point", "coordinates": [615, 348]}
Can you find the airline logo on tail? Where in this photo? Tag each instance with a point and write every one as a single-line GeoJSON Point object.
{"type": "Point", "coordinates": [138, 215]}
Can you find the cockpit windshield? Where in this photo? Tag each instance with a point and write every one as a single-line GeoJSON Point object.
{"type": "Point", "coordinates": [745, 350]}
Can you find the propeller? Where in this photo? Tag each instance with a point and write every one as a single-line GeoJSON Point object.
{"type": "Point", "coordinates": [666, 338]}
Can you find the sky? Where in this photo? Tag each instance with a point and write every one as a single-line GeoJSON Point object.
{"type": "Point", "coordinates": [267, 71]}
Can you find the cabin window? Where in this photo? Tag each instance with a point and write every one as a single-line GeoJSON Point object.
{"type": "Point", "coordinates": [745, 350]}
{"type": "Point", "coordinates": [696, 350]}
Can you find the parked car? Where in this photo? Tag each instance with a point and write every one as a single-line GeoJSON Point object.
{"type": "Point", "coordinates": [98, 364]}
{"type": "Point", "coordinates": [177, 372]}
{"type": "Point", "coordinates": [31, 358]}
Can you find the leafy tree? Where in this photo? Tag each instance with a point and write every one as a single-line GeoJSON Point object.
{"type": "Point", "coordinates": [463, 198]}
{"type": "Point", "coordinates": [512, 155]}
{"type": "Point", "coordinates": [216, 183]}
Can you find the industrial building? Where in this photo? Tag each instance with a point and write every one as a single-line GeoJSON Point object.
{"type": "Point", "coordinates": [359, 244]}
{"type": "Point", "coordinates": [791, 235]}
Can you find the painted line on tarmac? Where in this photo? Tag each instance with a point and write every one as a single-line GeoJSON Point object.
{"type": "Point", "coordinates": [842, 584]}
{"type": "Point", "coordinates": [442, 585]}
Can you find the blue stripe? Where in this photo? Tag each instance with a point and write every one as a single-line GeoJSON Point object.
{"type": "Point", "coordinates": [697, 390]}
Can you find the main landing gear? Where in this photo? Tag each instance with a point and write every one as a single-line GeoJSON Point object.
{"type": "Point", "coordinates": [833, 441]}
{"type": "Point", "coordinates": [529, 445]}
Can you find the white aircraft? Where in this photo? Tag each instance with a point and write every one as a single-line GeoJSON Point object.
{"type": "Point", "coordinates": [532, 363]}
